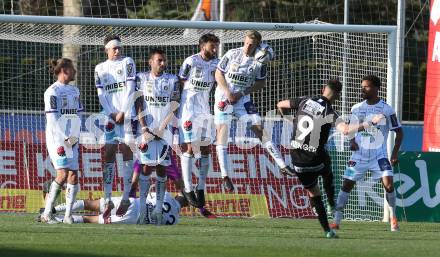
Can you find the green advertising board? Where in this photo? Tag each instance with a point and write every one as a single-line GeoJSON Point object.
{"type": "Point", "coordinates": [417, 183]}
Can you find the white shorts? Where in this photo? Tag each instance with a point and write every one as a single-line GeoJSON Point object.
{"type": "Point", "coordinates": [130, 217]}
{"type": "Point", "coordinates": [195, 124]}
{"type": "Point", "coordinates": [67, 161]}
{"type": "Point", "coordinates": [357, 169]}
{"type": "Point", "coordinates": [121, 133]}
{"type": "Point", "coordinates": [158, 152]}
{"type": "Point", "coordinates": [197, 128]}
{"type": "Point", "coordinates": [243, 109]}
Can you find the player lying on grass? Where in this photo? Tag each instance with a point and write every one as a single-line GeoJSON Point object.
{"type": "Point", "coordinates": [171, 208]}
{"type": "Point", "coordinates": [174, 174]}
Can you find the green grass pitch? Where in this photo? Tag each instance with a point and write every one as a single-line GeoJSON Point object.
{"type": "Point", "coordinates": [21, 236]}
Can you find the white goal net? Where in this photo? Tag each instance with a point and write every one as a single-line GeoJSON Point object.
{"type": "Point", "coordinates": [304, 61]}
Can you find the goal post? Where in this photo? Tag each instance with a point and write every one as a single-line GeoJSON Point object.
{"type": "Point", "coordinates": [307, 54]}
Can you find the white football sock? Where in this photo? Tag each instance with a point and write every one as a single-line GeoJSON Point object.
{"type": "Point", "coordinates": [223, 159]}
{"type": "Point", "coordinates": [77, 206]}
{"type": "Point", "coordinates": [77, 219]}
{"type": "Point", "coordinates": [340, 205]}
{"type": "Point", "coordinates": [276, 155]}
{"type": "Point", "coordinates": [54, 191]}
{"type": "Point", "coordinates": [160, 191]}
{"type": "Point", "coordinates": [144, 187]}
{"type": "Point", "coordinates": [107, 178]}
{"type": "Point", "coordinates": [186, 160]}
{"type": "Point", "coordinates": [71, 191]}
{"type": "Point", "coordinates": [128, 174]}
{"type": "Point", "coordinates": [391, 199]}
{"type": "Point", "coordinates": [204, 167]}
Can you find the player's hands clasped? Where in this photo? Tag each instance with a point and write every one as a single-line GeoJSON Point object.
{"type": "Point", "coordinates": [234, 97]}
{"type": "Point", "coordinates": [119, 118]}
{"type": "Point", "coordinates": [377, 118]}
{"type": "Point", "coordinates": [353, 145]}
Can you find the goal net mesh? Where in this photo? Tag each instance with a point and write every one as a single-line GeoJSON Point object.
{"type": "Point", "coordinates": [304, 62]}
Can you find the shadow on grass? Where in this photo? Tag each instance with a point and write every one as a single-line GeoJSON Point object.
{"type": "Point", "coordinates": [10, 252]}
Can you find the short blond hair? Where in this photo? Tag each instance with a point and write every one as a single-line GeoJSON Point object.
{"type": "Point", "coordinates": [254, 35]}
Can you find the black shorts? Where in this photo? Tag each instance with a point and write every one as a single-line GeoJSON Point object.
{"type": "Point", "coordinates": [309, 178]}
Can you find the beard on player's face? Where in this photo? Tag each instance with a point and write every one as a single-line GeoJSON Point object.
{"type": "Point", "coordinates": [368, 91]}
{"type": "Point", "coordinates": [158, 63]}
{"type": "Point", "coordinates": [210, 50]}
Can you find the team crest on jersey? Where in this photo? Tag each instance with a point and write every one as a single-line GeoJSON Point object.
{"type": "Point", "coordinates": [63, 102]}
{"type": "Point", "coordinates": [198, 72]}
{"type": "Point", "coordinates": [129, 68]}
{"type": "Point", "coordinates": [187, 125]}
{"type": "Point", "coordinates": [119, 72]}
{"type": "Point", "coordinates": [251, 69]}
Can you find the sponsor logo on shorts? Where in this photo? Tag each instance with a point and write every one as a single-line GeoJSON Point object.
{"type": "Point", "coordinates": [110, 126]}
{"type": "Point", "coordinates": [61, 151]}
{"type": "Point", "coordinates": [351, 163]}
{"type": "Point", "coordinates": [221, 105]}
{"type": "Point", "coordinates": [143, 147]}
{"type": "Point", "coordinates": [187, 125]}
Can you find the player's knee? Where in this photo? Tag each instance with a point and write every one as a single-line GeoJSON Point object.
{"type": "Point", "coordinates": [204, 150]}
{"type": "Point", "coordinates": [61, 178]}
{"type": "Point", "coordinates": [109, 156]}
{"type": "Point", "coordinates": [347, 186]}
{"type": "Point", "coordinates": [314, 191]}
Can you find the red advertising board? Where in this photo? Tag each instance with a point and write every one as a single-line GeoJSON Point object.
{"type": "Point", "coordinates": [259, 184]}
{"type": "Point", "coordinates": [431, 131]}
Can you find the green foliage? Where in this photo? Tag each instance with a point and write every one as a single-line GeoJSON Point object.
{"type": "Point", "coordinates": [157, 9]}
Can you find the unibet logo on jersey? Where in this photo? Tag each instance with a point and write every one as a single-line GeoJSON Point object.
{"type": "Point", "coordinates": [158, 101]}
{"type": "Point", "coordinates": [114, 87]}
{"type": "Point", "coordinates": [239, 80]}
{"type": "Point", "coordinates": [202, 85]}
